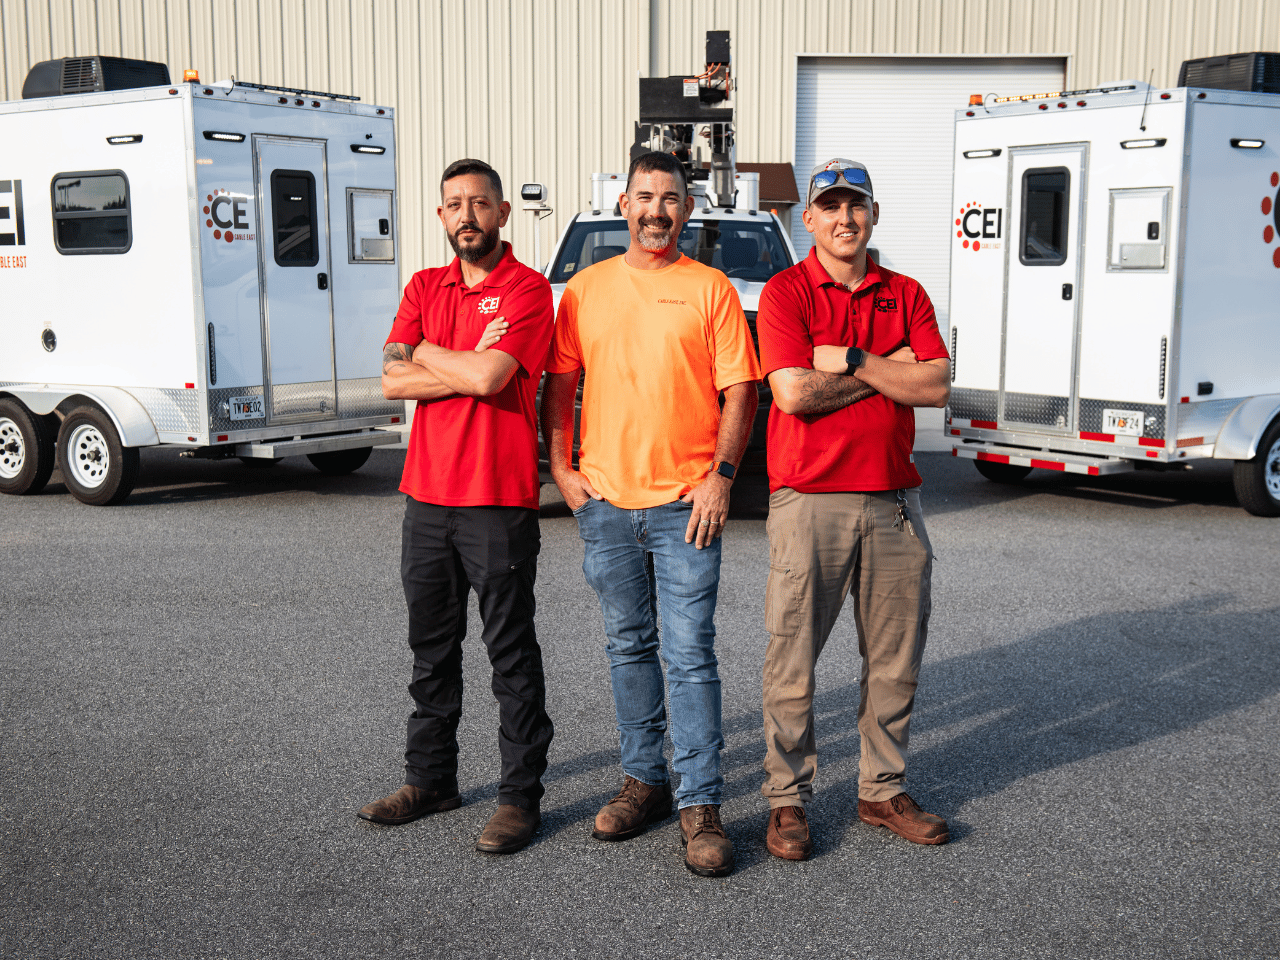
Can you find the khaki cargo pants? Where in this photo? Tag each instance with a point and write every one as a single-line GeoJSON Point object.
{"type": "Point", "coordinates": [823, 547]}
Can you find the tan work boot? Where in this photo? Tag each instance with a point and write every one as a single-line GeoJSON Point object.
{"type": "Point", "coordinates": [508, 830]}
{"type": "Point", "coordinates": [635, 807]}
{"type": "Point", "coordinates": [707, 850]}
{"type": "Point", "coordinates": [788, 834]}
{"type": "Point", "coordinates": [408, 804]}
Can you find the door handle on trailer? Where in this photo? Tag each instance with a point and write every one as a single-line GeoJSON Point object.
{"type": "Point", "coordinates": [1066, 290]}
{"type": "Point", "coordinates": [322, 281]}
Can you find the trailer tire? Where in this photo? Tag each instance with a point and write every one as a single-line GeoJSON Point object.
{"type": "Point", "coordinates": [334, 463]}
{"type": "Point", "coordinates": [96, 467]}
{"type": "Point", "coordinates": [1002, 472]}
{"type": "Point", "coordinates": [27, 449]}
{"type": "Point", "coordinates": [1257, 481]}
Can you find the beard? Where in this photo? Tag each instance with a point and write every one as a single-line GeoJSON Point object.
{"type": "Point", "coordinates": [474, 248]}
{"type": "Point", "coordinates": [656, 233]}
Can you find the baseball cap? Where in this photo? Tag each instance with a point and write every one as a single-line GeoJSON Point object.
{"type": "Point", "coordinates": [839, 174]}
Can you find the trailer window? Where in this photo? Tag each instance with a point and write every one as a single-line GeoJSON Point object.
{"type": "Point", "coordinates": [293, 215]}
{"type": "Point", "coordinates": [1045, 191]}
{"type": "Point", "coordinates": [91, 212]}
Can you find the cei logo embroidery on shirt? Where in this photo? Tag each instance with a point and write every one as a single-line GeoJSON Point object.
{"type": "Point", "coordinates": [488, 305]}
{"type": "Point", "coordinates": [886, 304]}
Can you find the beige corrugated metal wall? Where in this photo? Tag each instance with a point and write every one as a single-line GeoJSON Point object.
{"type": "Point", "coordinates": [546, 89]}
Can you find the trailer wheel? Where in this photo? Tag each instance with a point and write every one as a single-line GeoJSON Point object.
{"type": "Point", "coordinates": [96, 467]}
{"type": "Point", "coordinates": [337, 462]}
{"type": "Point", "coordinates": [1257, 481]}
{"type": "Point", "coordinates": [26, 449]}
{"type": "Point", "coordinates": [1002, 472]}
{"type": "Point", "coordinates": [260, 462]}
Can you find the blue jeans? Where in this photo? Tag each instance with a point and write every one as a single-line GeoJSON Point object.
{"type": "Point", "coordinates": [638, 563]}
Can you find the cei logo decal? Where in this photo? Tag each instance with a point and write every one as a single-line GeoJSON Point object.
{"type": "Point", "coordinates": [12, 228]}
{"type": "Point", "coordinates": [226, 213]}
{"type": "Point", "coordinates": [1271, 208]}
{"type": "Point", "coordinates": [979, 225]}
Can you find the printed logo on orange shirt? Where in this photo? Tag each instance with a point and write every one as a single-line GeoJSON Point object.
{"type": "Point", "coordinates": [680, 302]}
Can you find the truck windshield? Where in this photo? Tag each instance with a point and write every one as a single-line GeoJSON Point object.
{"type": "Point", "coordinates": [742, 249]}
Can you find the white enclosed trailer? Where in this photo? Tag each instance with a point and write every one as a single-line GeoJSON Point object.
{"type": "Point", "coordinates": [1115, 284]}
{"type": "Point", "coordinates": [207, 266]}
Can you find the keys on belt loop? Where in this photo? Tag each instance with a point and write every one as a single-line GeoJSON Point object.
{"type": "Point", "coordinates": [902, 519]}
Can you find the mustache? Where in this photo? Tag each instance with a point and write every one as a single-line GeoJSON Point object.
{"type": "Point", "coordinates": [666, 223]}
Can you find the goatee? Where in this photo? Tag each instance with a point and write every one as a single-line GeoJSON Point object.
{"type": "Point", "coordinates": [478, 249]}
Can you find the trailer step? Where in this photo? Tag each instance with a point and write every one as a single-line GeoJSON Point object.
{"type": "Point", "coordinates": [1043, 459]}
{"type": "Point", "coordinates": [297, 448]}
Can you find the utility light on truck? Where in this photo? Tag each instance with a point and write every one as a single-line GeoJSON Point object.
{"type": "Point", "coordinates": [1247, 144]}
{"type": "Point", "coordinates": [220, 135]}
{"type": "Point", "coordinates": [1142, 144]}
{"type": "Point", "coordinates": [190, 76]}
{"type": "Point", "coordinates": [367, 148]}
{"type": "Point", "coordinates": [131, 138]}
{"type": "Point", "coordinates": [978, 154]}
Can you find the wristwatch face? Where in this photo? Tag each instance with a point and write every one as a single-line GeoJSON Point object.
{"type": "Point", "coordinates": [726, 469]}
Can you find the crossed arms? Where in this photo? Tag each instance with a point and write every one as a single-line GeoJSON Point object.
{"type": "Point", "coordinates": [826, 387]}
{"type": "Point", "coordinates": [431, 372]}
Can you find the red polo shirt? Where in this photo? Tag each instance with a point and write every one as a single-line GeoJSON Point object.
{"type": "Point", "coordinates": [477, 451]}
{"type": "Point", "coordinates": [867, 445]}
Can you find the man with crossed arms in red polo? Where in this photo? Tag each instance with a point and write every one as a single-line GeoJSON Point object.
{"type": "Point", "coordinates": [849, 348]}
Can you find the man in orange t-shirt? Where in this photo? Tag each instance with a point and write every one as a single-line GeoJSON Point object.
{"type": "Point", "coordinates": [660, 337]}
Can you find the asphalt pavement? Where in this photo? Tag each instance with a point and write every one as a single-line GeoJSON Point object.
{"type": "Point", "coordinates": [201, 686]}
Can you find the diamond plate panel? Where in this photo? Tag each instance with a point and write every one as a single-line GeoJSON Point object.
{"type": "Point", "coordinates": [1152, 415]}
{"type": "Point", "coordinates": [220, 416]}
{"type": "Point", "coordinates": [1204, 419]}
{"type": "Point", "coordinates": [171, 410]}
{"type": "Point", "coordinates": [1037, 408]}
{"type": "Point", "coordinates": [311, 401]}
{"type": "Point", "coordinates": [363, 398]}
{"type": "Point", "coordinates": [969, 404]}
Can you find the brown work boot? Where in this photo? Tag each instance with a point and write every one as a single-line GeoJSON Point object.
{"type": "Point", "coordinates": [408, 804]}
{"type": "Point", "coordinates": [904, 817]}
{"type": "Point", "coordinates": [635, 807]}
{"type": "Point", "coordinates": [508, 830]}
{"type": "Point", "coordinates": [788, 834]}
{"type": "Point", "coordinates": [707, 850]}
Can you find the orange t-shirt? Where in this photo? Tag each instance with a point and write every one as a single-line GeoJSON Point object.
{"type": "Point", "coordinates": [657, 346]}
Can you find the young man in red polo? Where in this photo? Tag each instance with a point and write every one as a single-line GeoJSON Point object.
{"type": "Point", "coordinates": [849, 348]}
{"type": "Point", "coordinates": [471, 514]}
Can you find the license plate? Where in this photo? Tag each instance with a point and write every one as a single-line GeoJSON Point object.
{"type": "Point", "coordinates": [246, 408]}
{"type": "Point", "coordinates": [1127, 422]}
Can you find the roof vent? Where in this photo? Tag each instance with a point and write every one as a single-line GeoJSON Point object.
{"type": "Point", "coordinates": [1255, 72]}
{"type": "Point", "coordinates": [59, 78]}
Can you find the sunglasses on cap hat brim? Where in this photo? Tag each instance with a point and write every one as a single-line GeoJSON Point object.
{"type": "Point", "coordinates": [853, 176]}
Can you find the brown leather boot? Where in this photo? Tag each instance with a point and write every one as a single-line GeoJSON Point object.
{"type": "Point", "coordinates": [635, 807]}
{"type": "Point", "coordinates": [707, 850]}
{"type": "Point", "coordinates": [408, 804]}
{"type": "Point", "coordinates": [788, 834]}
{"type": "Point", "coordinates": [904, 817]}
{"type": "Point", "coordinates": [508, 830]}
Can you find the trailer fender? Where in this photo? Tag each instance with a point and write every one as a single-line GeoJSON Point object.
{"type": "Point", "coordinates": [1238, 439]}
{"type": "Point", "coordinates": [129, 417]}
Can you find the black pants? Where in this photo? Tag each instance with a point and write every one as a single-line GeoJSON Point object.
{"type": "Point", "coordinates": [446, 552]}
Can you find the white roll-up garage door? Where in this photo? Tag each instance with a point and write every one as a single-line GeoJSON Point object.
{"type": "Point", "coordinates": [896, 115]}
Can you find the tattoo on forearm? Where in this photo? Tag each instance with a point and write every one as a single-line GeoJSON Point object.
{"type": "Point", "coordinates": [393, 356]}
{"type": "Point", "coordinates": [825, 392]}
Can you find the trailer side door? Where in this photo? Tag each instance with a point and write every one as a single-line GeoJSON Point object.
{"type": "Point", "coordinates": [1040, 355]}
{"type": "Point", "coordinates": [297, 306]}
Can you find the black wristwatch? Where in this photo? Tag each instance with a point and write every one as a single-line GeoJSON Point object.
{"type": "Point", "coordinates": [854, 357]}
{"type": "Point", "coordinates": [724, 468]}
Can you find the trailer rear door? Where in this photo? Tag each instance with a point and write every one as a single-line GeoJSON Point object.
{"type": "Point", "coordinates": [1039, 363]}
{"type": "Point", "coordinates": [293, 250]}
